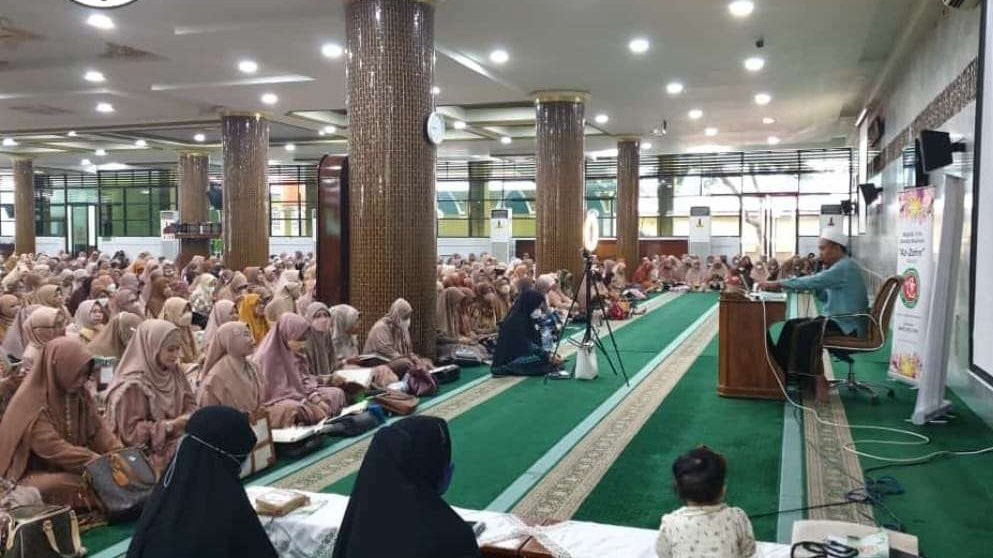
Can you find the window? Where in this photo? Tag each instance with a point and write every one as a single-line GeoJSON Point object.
{"type": "Point", "coordinates": [292, 200]}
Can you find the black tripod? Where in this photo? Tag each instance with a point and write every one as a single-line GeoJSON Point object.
{"type": "Point", "coordinates": [592, 334]}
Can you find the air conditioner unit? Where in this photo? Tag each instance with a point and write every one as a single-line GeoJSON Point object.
{"type": "Point", "coordinates": [961, 4]}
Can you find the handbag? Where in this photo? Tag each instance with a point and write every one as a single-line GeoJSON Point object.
{"type": "Point", "coordinates": [264, 453]}
{"type": "Point", "coordinates": [420, 382]}
{"type": "Point", "coordinates": [397, 403]}
{"type": "Point", "coordinates": [122, 480]}
{"type": "Point", "coordinates": [40, 531]}
{"type": "Point", "coordinates": [356, 424]}
{"type": "Point", "coordinates": [446, 374]}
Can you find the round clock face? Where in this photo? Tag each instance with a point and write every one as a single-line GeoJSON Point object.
{"type": "Point", "coordinates": [435, 128]}
{"type": "Point", "coordinates": [105, 4]}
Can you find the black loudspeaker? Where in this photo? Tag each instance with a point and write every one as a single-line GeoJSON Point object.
{"type": "Point", "coordinates": [870, 193]}
{"type": "Point", "coordinates": [936, 149]}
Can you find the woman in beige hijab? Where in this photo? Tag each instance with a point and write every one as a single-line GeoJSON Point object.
{"type": "Point", "coordinates": [150, 400]}
{"type": "Point", "coordinates": [51, 430]}
{"type": "Point", "coordinates": [42, 326]}
{"type": "Point", "coordinates": [178, 312]}
{"type": "Point", "coordinates": [224, 311]}
{"type": "Point", "coordinates": [9, 305]}
{"type": "Point", "coordinates": [52, 297]}
{"type": "Point", "coordinates": [286, 292]}
{"type": "Point", "coordinates": [344, 326]}
{"type": "Point", "coordinates": [228, 377]}
{"type": "Point", "coordinates": [89, 321]}
{"type": "Point", "coordinates": [115, 336]}
{"type": "Point", "coordinates": [390, 335]}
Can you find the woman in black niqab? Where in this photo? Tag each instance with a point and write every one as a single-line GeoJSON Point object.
{"type": "Point", "coordinates": [199, 507]}
{"type": "Point", "coordinates": [396, 509]}
{"type": "Point", "coordinates": [518, 348]}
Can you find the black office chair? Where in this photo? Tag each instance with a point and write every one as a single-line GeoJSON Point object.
{"type": "Point", "coordinates": [842, 347]}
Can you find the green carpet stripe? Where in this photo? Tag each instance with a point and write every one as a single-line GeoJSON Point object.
{"type": "Point", "coordinates": [637, 489]}
{"type": "Point", "coordinates": [498, 440]}
{"type": "Point", "coordinates": [536, 472]}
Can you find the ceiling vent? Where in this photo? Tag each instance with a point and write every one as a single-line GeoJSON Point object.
{"type": "Point", "coordinates": [41, 110]}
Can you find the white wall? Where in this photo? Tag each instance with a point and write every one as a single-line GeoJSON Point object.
{"type": "Point", "coordinates": [288, 244]}
{"type": "Point", "coordinates": [463, 246]}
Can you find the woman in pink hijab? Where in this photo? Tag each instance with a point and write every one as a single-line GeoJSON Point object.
{"type": "Point", "coordinates": [150, 400]}
{"type": "Point", "coordinates": [229, 378]}
{"type": "Point", "coordinates": [282, 365]}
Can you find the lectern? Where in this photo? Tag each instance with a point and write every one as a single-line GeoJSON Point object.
{"type": "Point", "coordinates": [744, 370]}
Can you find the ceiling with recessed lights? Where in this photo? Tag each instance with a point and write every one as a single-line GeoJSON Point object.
{"type": "Point", "coordinates": [144, 81]}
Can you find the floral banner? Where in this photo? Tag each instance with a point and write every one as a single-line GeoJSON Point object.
{"type": "Point", "coordinates": [915, 263]}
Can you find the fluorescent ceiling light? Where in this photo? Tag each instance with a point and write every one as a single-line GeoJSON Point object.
{"type": "Point", "coordinates": [710, 132]}
{"type": "Point", "coordinates": [639, 45]}
{"type": "Point", "coordinates": [646, 145]}
{"type": "Point", "coordinates": [94, 76]}
{"type": "Point", "coordinates": [332, 50]}
{"type": "Point", "coordinates": [248, 66]}
{"type": "Point", "coordinates": [755, 63]}
{"type": "Point", "coordinates": [9, 142]}
{"type": "Point", "coordinates": [105, 107]}
{"type": "Point", "coordinates": [141, 143]}
{"type": "Point", "coordinates": [741, 8]}
{"type": "Point", "coordinates": [71, 133]}
{"type": "Point", "coordinates": [270, 98]}
{"type": "Point", "coordinates": [330, 129]}
{"type": "Point", "coordinates": [100, 21]}
{"type": "Point", "coordinates": [459, 125]}
{"type": "Point", "coordinates": [674, 88]}
{"type": "Point", "coordinates": [499, 56]}
{"type": "Point", "coordinates": [100, 152]}
{"type": "Point", "coordinates": [763, 99]}
{"type": "Point", "coordinates": [86, 162]}
{"type": "Point", "coordinates": [290, 147]}
{"type": "Point", "coordinates": [258, 80]}
{"type": "Point", "coordinates": [506, 140]}
{"type": "Point", "coordinates": [199, 138]}
{"type": "Point", "coordinates": [768, 120]}
{"type": "Point", "coordinates": [435, 90]}
{"type": "Point", "coordinates": [696, 114]}
{"type": "Point", "coordinates": [601, 118]}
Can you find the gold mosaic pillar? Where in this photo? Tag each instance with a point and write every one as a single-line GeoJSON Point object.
{"type": "Point", "coordinates": [194, 179]}
{"type": "Point", "coordinates": [628, 161]}
{"type": "Point", "coordinates": [245, 139]}
{"type": "Point", "coordinates": [24, 227]}
{"type": "Point", "coordinates": [561, 185]}
{"type": "Point", "coordinates": [389, 74]}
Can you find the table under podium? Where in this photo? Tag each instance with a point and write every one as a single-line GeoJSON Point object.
{"type": "Point", "coordinates": [744, 370]}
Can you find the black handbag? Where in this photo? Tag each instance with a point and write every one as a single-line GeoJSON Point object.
{"type": "Point", "coordinates": [122, 480]}
{"type": "Point", "coordinates": [447, 374]}
{"type": "Point", "coordinates": [355, 425]}
{"type": "Point", "coordinates": [41, 531]}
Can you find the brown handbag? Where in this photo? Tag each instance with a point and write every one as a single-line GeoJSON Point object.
{"type": "Point", "coordinates": [40, 531]}
{"type": "Point", "coordinates": [122, 480]}
{"type": "Point", "coordinates": [264, 453]}
{"type": "Point", "coordinates": [397, 403]}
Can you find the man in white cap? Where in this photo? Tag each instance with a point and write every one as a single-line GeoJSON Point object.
{"type": "Point", "coordinates": [841, 291]}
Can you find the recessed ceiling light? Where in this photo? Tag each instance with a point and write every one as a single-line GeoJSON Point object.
{"type": "Point", "coordinates": [100, 152]}
{"type": "Point", "coordinates": [435, 90]}
{"type": "Point", "coordinates": [711, 132]}
{"type": "Point", "coordinates": [646, 145]}
{"type": "Point", "coordinates": [71, 134]}
{"type": "Point", "coordinates": [332, 50]}
{"type": "Point", "coordinates": [270, 98]}
{"type": "Point", "coordinates": [755, 63]}
{"type": "Point", "coordinates": [86, 162]}
{"type": "Point", "coordinates": [199, 138]}
{"type": "Point", "coordinates": [499, 56]}
{"type": "Point", "coordinates": [9, 142]}
{"type": "Point", "coordinates": [290, 147]}
{"type": "Point", "coordinates": [248, 66]}
{"type": "Point", "coordinates": [141, 143]}
{"type": "Point", "coordinates": [459, 125]}
{"type": "Point", "coordinates": [696, 114]}
{"type": "Point", "coordinates": [741, 8]}
{"type": "Point", "coordinates": [94, 76]}
{"type": "Point", "coordinates": [320, 133]}
{"type": "Point", "coordinates": [763, 99]}
{"type": "Point", "coordinates": [773, 140]}
{"type": "Point", "coordinates": [674, 88]}
{"type": "Point", "coordinates": [105, 107]}
{"type": "Point", "coordinates": [330, 129]}
{"type": "Point", "coordinates": [639, 45]}
{"type": "Point", "coordinates": [100, 21]}
{"type": "Point", "coordinates": [601, 118]}
{"type": "Point", "coordinates": [768, 120]}
{"type": "Point", "coordinates": [506, 140]}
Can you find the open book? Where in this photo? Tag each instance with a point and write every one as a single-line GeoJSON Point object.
{"type": "Point", "coordinates": [296, 434]}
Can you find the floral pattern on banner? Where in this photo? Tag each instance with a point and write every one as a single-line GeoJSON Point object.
{"type": "Point", "coordinates": [916, 204]}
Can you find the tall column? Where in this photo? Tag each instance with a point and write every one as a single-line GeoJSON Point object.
{"type": "Point", "coordinates": [560, 180]}
{"type": "Point", "coordinates": [389, 74]}
{"type": "Point", "coordinates": [628, 163]}
{"type": "Point", "coordinates": [245, 140]}
{"type": "Point", "coordinates": [193, 173]}
{"type": "Point", "coordinates": [24, 226]}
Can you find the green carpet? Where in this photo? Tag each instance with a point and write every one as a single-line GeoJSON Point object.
{"type": "Point", "coordinates": [948, 503]}
{"type": "Point", "coordinates": [102, 538]}
{"type": "Point", "coordinates": [637, 489]}
{"type": "Point", "coordinates": [497, 441]}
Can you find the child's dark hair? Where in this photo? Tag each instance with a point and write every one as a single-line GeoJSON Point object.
{"type": "Point", "coordinates": [699, 476]}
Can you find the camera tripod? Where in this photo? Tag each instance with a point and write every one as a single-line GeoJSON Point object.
{"type": "Point", "coordinates": [591, 336]}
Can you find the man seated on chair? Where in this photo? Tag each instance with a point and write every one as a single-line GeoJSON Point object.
{"type": "Point", "coordinates": [841, 291]}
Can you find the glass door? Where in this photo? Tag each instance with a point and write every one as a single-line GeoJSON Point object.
{"type": "Point", "coordinates": [769, 225]}
{"type": "Point", "coordinates": [81, 228]}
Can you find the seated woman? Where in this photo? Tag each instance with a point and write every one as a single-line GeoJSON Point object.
{"type": "Point", "coordinates": [200, 508]}
{"type": "Point", "coordinates": [52, 297]}
{"type": "Point", "coordinates": [124, 300]}
{"type": "Point", "coordinates": [281, 364]}
{"type": "Point", "coordinates": [454, 332]}
{"type": "Point", "coordinates": [43, 325]}
{"type": "Point", "coordinates": [9, 305]}
{"type": "Point", "coordinates": [390, 338]}
{"type": "Point", "coordinates": [547, 285]}
{"type": "Point", "coordinates": [344, 327]}
{"type": "Point", "coordinates": [222, 312]}
{"type": "Point", "coordinates": [406, 472]}
{"type": "Point", "coordinates": [115, 336]}
{"type": "Point", "coordinates": [251, 311]}
{"type": "Point", "coordinates": [202, 297]}
{"type": "Point", "coordinates": [519, 350]}
{"type": "Point", "coordinates": [150, 400]}
{"type": "Point", "coordinates": [10, 379]}
{"type": "Point", "coordinates": [228, 377]}
{"type": "Point", "coordinates": [159, 292]}
{"type": "Point", "coordinates": [322, 359]}
{"type": "Point", "coordinates": [285, 294]}
{"type": "Point", "coordinates": [178, 312]}
{"type": "Point", "coordinates": [88, 322]}
{"type": "Point", "coordinates": [51, 430]}
{"type": "Point", "coordinates": [483, 313]}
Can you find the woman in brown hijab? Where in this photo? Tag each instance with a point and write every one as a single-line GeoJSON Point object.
{"type": "Point", "coordinates": [124, 300]}
{"type": "Point", "coordinates": [223, 311]}
{"type": "Point", "coordinates": [233, 288]}
{"type": "Point", "coordinates": [483, 311]}
{"type": "Point", "coordinates": [150, 399]}
{"type": "Point", "coordinates": [159, 292]}
{"type": "Point", "coordinates": [390, 335]}
{"type": "Point", "coordinates": [89, 321]}
{"type": "Point", "coordinates": [30, 283]}
{"type": "Point", "coordinates": [114, 338]}
{"type": "Point", "coordinates": [286, 293]}
{"type": "Point", "coordinates": [52, 297]}
{"type": "Point", "coordinates": [344, 325]}
{"type": "Point", "coordinates": [228, 377]}
{"type": "Point", "coordinates": [178, 312]}
{"type": "Point", "coordinates": [41, 327]}
{"type": "Point", "coordinates": [9, 305]}
{"type": "Point", "coordinates": [51, 430]}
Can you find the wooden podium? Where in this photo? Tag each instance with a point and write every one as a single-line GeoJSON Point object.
{"type": "Point", "coordinates": [744, 370]}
